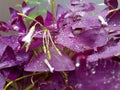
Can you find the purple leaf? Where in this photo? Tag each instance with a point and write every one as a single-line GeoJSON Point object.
{"type": "Point", "coordinates": [11, 73]}
{"type": "Point", "coordinates": [26, 9]}
{"type": "Point", "coordinates": [3, 47]}
{"type": "Point", "coordinates": [23, 57]}
{"type": "Point", "coordinates": [40, 20]}
{"type": "Point", "coordinates": [113, 20]}
{"type": "Point", "coordinates": [14, 15]}
{"type": "Point", "coordinates": [88, 6]}
{"type": "Point", "coordinates": [100, 75]}
{"type": "Point", "coordinates": [84, 40]}
{"type": "Point", "coordinates": [60, 11]}
{"type": "Point", "coordinates": [85, 21]}
{"type": "Point", "coordinates": [67, 39]}
{"type": "Point", "coordinates": [4, 26]}
{"type": "Point", "coordinates": [109, 52]}
{"type": "Point", "coordinates": [11, 41]}
{"type": "Point", "coordinates": [17, 21]}
{"type": "Point", "coordinates": [75, 2]}
{"type": "Point", "coordinates": [49, 19]}
{"type": "Point", "coordinates": [112, 4]}
{"type": "Point", "coordinates": [81, 5]}
{"type": "Point", "coordinates": [58, 62]}
{"type": "Point", "coordinates": [93, 38]}
{"type": "Point", "coordinates": [8, 59]}
{"type": "Point", "coordinates": [57, 83]}
{"type": "Point", "coordinates": [2, 80]}
{"type": "Point", "coordinates": [37, 42]}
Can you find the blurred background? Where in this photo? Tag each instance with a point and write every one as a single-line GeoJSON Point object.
{"type": "Point", "coordinates": [5, 4]}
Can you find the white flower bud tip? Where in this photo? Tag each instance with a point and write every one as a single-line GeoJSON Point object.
{"type": "Point", "coordinates": [49, 66]}
{"type": "Point", "coordinates": [28, 37]}
{"type": "Point", "coordinates": [102, 20]}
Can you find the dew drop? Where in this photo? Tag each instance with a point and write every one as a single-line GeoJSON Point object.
{"type": "Point", "coordinates": [37, 61]}
{"type": "Point", "coordinates": [77, 62]}
{"type": "Point", "coordinates": [96, 64]}
{"type": "Point", "coordinates": [79, 85]}
{"type": "Point", "coordinates": [113, 72]}
{"type": "Point", "coordinates": [93, 71]}
{"type": "Point", "coordinates": [117, 86]}
{"type": "Point", "coordinates": [88, 65]}
{"type": "Point", "coordinates": [35, 66]}
{"type": "Point", "coordinates": [114, 25]}
{"type": "Point", "coordinates": [108, 81]}
{"type": "Point", "coordinates": [16, 28]}
{"type": "Point", "coordinates": [113, 77]}
{"type": "Point", "coordinates": [105, 63]}
{"type": "Point", "coordinates": [86, 74]}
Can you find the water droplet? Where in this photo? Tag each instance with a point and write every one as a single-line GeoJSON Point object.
{"type": "Point", "coordinates": [37, 61]}
{"type": "Point", "coordinates": [96, 64]}
{"type": "Point", "coordinates": [105, 82]}
{"type": "Point", "coordinates": [18, 47]}
{"type": "Point", "coordinates": [104, 64]}
{"type": "Point", "coordinates": [79, 85]}
{"type": "Point", "coordinates": [77, 62]}
{"type": "Point", "coordinates": [93, 71]}
{"type": "Point", "coordinates": [108, 81]}
{"type": "Point", "coordinates": [113, 77]}
{"type": "Point", "coordinates": [16, 27]}
{"type": "Point", "coordinates": [86, 74]}
{"type": "Point", "coordinates": [35, 66]}
{"type": "Point", "coordinates": [88, 65]}
{"type": "Point", "coordinates": [117, 86]}
{"type": "Point", "coordinates": [113, 72]}
{"type": "Point", "coordinates": [95, 49]}
{"type": "Point", "coordinates": [114, 25]}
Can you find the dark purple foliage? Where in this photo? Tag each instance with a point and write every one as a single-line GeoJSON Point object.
{"type": "Point", "coordinates": [100, 75]}
{"type": "Point", "coordinates": [112, 4]}
{"type": "Point", "coordinates": [56, 80]}
{"type": "Point", "coordinates": [8, 59]}
{"type": "Point", "coordinates": [2, 80]}
{"type": "Point", "coordinates": [11, 41]}
{"type": "Point", "coordinates": [113, 20]}
{"type": "Point", "coordinates": [3, 48]}
{"type": "Point", "coordinates": [17, 21]}
{"type": "Point", "coordinates": [4, 26]}
{"type": "Point", "coordinates": [49, 19]}
{"type": "Point", "coordinates": [12, 73]}
{"type": "Point", "coordinates": [26, 9]}
{"type": "Point", "coordinates": [75, 50]}
{"type": "Point", "coordinates": [58, 62]}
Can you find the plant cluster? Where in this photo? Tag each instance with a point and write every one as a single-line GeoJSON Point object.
{"type": "Point", "coordinates": [75, 49]}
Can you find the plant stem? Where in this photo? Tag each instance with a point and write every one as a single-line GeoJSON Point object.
{"type": "Point", "coordinates": [26, 76]}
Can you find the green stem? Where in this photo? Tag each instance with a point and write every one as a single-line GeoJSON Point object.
{"type": "Point", "coordinates": [53, 9]}
{"type": "Point", "coordinates": [26, 76]}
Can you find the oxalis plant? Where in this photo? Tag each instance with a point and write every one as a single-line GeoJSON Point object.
{"type": "Point", "coordinates": [67, 49]}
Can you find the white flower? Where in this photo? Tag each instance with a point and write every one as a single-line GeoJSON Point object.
{"type": "Point", "coordinates": [102, 20]}
{"type": "Point", "coordinates": [28, 38]}
{"type": "Point", "coordinates": [49, 66]}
